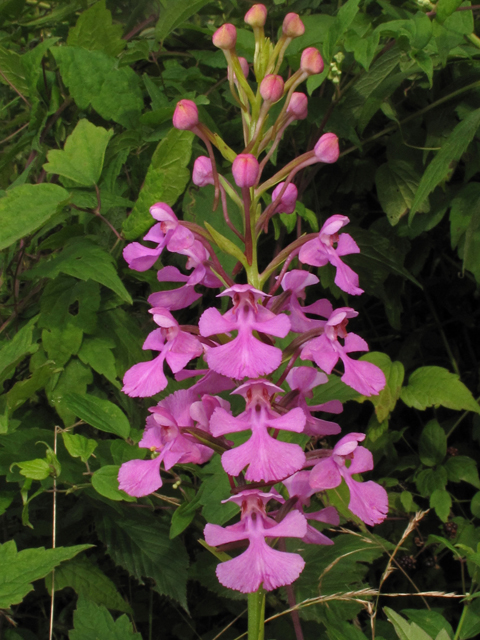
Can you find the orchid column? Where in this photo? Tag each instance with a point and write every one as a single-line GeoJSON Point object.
{"type": "Point", "coordinates": [238, 350]}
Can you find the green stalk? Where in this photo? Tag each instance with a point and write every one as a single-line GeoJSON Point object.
{"type": "Point", "coordinates": [256, 615]}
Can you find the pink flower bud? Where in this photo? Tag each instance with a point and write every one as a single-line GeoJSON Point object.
{"type": "Point", "coordinates": [245, 68]}
{"type": "Point", "coordinates": [298, 106]}
{"type": "Point", "coordinates": [256, 15]}
{"type": "Point", "coordinates": [288, 200]}
{"type": "Point", "coordinates": [271, 88]}
{"type": "Point", "coordinates": [326, 149]}
{"type": "Point", "coordinates": [202, 172]}
{"type": "Point", "coordinates": [185, 116]}
{"type": "Point", "coordinates": [225, 37]}
{"type": "Point", "coordinates": [245, 170]}
{"type": "Point", "coordinates": [311, 61]}
{"type": "Point", "coordinates": [292, 26]}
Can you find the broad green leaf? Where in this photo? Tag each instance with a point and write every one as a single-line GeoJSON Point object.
{"type": "Point", "coordinates": [343, 20]}
{"type": "Point", "coordinates": [226, 245]}
{"type": "Point", "coordinates": [13, 70]}
{"type": "Point", "coordinates": [87, 579]}
{"type": "Point", "coordinates": [83, 154]}
{"type": "Point", "coordinates": [38, 469]}
{"type": "Point", "coordinates": [175, 13]}
{"type": "Point", "coordinates": [68, 301]}
{"type": "Point", "coordinates": [451, 150]}
{"type": "Point", "coordinates": [61, 344]}
{"type": "Point", "coordinates": [184, 515]}
{"type": "Point", "coordinates": [471, 622]}
{"type": "Point", "coordinates": [97, 352]}
{"type": "Point", "coordinates": [94, 79]}
{"type": "Point", "coordinates": [475, 505]}
{"type": "Point", "coordinates": [74, 377]}
{"type": "Point", "coordinates": [397, 182]}
{"type": "Point", "coordinates": [445, 8]}
{"type": "Point", "coordinates": [26, 208]}
{"type": "Point", "coordinates": [25, 389]}
{"type": "Point", "coordinates": [94, 31]}
{"type": "Point", "coordinates": [465, 227]}
{"type": "Point", "coordinates": [405, 630]}
{"type": "Point", "coordinates": [141, 545]}
{"type": "Point", "coordinates": [27, 566]}
{"type": "Point", "coordinates": [431, 386]}
{"type": "Point", "coordinates": [78, 446]}
{"type": "Point", "coordinates": [432, 446]}
{"type": "Point", "coordinates": [105, 482]}
{"type": "Point", "coordinates": [429, 480]}
{"type": "Point", "coordinates": [84, 260]}
{"type": "Point", "coordinates": [14, 351]}
{"type": "Point", "coordinates": [101, 414]}
{"type": "Point", "coordinates": [166, 179]}
{"type": "Point", "coordinates": [215, 489]}
{"type": "Point", "coordinates": [334, 389]}
{"type": "Point", "coordinates": [431, 621]}
{"type": "Point", "coordinates": [386, 400]}
{"type": "Point", "coordinates": [94, 622]}
{"type": "Point", "coordinates": [441, 501]}
{"type": "Point", "coordinates": [463, 468]}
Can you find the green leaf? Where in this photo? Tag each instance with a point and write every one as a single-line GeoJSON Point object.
{"type": "Point", "coordinates": [94, 79]}
{"type": "Point", "coordinates": [452, 150]}
{"type": "Point", "coordinates": [74, 377]}
{"type": "Point", "coordinates": [396, 182]}
{"type": "Point", "coordinates": [25, 389]}
{"type": "Point", "coordinates": [88, 581]}
{"type": "Point", "coordinates": [26, 208]}
{"type": "Point", "coordinates": [97, 352]}
{"type": "Point", "coordinates": [78, 446]}
{"type": "Point", "coordinates": [431, 621]}
{"type": "Point", "coordinates": [432, 447]}
{"type": "Point", "coordinates": [462, 468]}
{"type": "Point", "coordinates": [184, 515]}
{"type": "Point", "coordinates": [27, 566]}
{"type": "Point", "coordinates": [14, 351]}
{"type": "Point", "coordinates": [405, 630]}
{"type": "Point", "coordinates": [166, 179]}
{"type": "Point", "coordinates": [386, 400]}
{"type": "Point", "coordinates": [142, 546]}
{"type": "Point", "coordinates": [91, 621]}
{"type": "Point", "coordinates": [101, 414]}
{"type": "Point", "coordinates": [471, 622]}
{"type": "Point", "coordinates": [38, 469]}
{"type": "Point", "coordinates": [94, 31]}
{"type": "Point", "coordinates": [334, 389]}
{"type": "Point", "coordinates": [105, 482]}
{"type": "Point", "coordinates": [175, 13]}
{"type": "Point", "coordinates": [84, 260]}
{"type": "Point", "coordinates": [61, 344]}
{"type": "Point", "coordinates": [465, 227]}
{"type": "Point", "coordinates": [343, 20]}
{"type": "Point", "coordinates": [83, 154]}
{"type": "Point", "coordinates": [429, 480]}
{"type": "Point", "coordinates": [226, 245]}
{"type": "Point", "coordinates": [445, 8]}
{"type": "Point", "coordinates": [441, 501]}
{"type": "Point", "coordinates": [475, 505]}
{"type": "Point", "coordinates": [431, 386]}
{"type": "Point", "coordinates": [13, 70]}
{"type": "Point", "coordinates": [215, 489]}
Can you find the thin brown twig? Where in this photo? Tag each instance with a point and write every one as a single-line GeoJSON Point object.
{"type": "Point", "coordinates": [17, 91]}
{"type": "Point", "coordinates": [12, 135]}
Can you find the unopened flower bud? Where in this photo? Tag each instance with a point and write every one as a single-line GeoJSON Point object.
{"type": "Point", "coordinates": [225, 37]}
{"type": "Point", "coordinates": [245, 170]}
{"type": "Point", "coordinates": [202, 172]}
{"type": "Point", "coordinates": [185, 116]}
{"type": "Point", "coordinates": [292, 26]}
{"type": "Point", "coordinates": [288, 200]}
{"type": "Point", "coordinates": [311, 61]}
{"type": "Point", "coordinates": [326, 149]}
{"type": "Point", "coordinates": [271, 88]}
{"type": "Point", "coordinates": [256, 16]}
{"type": "Point", "coordinates": [245, 68]}
{"type": "Point", "coordinates": [298, 106]}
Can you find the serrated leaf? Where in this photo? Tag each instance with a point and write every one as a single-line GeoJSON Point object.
{"type": "Point", "coordinates": [166, 179]}
{"type": "Point", "coordinates": [141, 545]}
{"type": "Point", "coordinates": [95, 79]}
{"type": "Point", "coordinates": [397, 182]}
{"type": "Point", "coordinates": [101, 414]}
{"type": "Point", "coordinates": [26, 208]}
{"type": "Point", "coordinates": [84, 260]}
{"type": "Point", "coordinates": [94, 31]}
{"type": "Point", "coordinates": [463, 468]}
{"type": "Point", "coordinates": [405, 630]}
{"type": "Point", "coordinates": [37, 469]}
{"type": "Point", "coordinates": [91, 621]}
{"type": "Point", "coordinates": [465, 227]}
{"type": "Point", "coordinates": [105, 482]}
{"type": "Point", "coordinates": [83, 154]}
{"type": "Point", "coordinates": [78, 446]}
{"type": "Point", "coordinates": [429, 480]}
{"type": "Point", "coordinates": [432, 446]}
{"type": "Point", "coordinates": [452, 150]}
{"type": "Point", "coordinates": [87, 580]}
{"type": "Point", "coordinates": [431, 621]}
{"type": "Point", "coordinates": [386, 400]}
{"type": "Point", "coordinates": [27, 566]}
{"type": "Point", "coordinates": [431, 386]}
{"type": "Point", "coordinates": [175, 13]}
{"type": "Point", "coordinates": [441, 501]}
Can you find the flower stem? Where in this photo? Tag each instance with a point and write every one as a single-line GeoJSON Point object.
{"type": "Point", "coordinates": [256, 615]}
